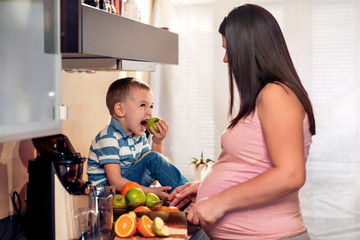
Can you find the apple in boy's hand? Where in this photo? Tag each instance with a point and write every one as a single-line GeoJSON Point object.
{"type": "Point", "coordinates": [152, 123]}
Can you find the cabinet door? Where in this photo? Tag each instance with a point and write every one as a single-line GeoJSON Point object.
{"type": "Point", "coordinates": [30, 65]}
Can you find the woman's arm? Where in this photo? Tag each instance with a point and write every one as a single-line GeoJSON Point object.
{"type": "Point", "coordinates": [281, 115]}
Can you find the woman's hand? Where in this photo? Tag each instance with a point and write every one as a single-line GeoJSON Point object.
{"type": "Point", "coordinates": [184, 194]}
{"type": "Point", "coordinates": [206, 211]}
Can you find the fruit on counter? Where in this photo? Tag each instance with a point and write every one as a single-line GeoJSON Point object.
{"type": "Point", "coordinates": [142, 209]}
{"type": "Point", "coordinates": [152, 123]}
{"type": "Point", "coordinates": [159, 228]}
{"type": "Point", "coordinates": [119, 201]}
{"type": "Point", "coordinates": [144, 226]}
{"type": "Point", "coordinates": [160, 208]}
{"type": "Point", "coordinates": [152, 200]}
{"type": "Point", "coordinates": [133, 214]}
{"type": "Point", "coordinates": [128, 186]}
{"type": "Point", "coordinates": [172, 209]}
{"type": "Point", "coordinates": [125, 225]}
{"type": "Point", "coordinates": [135, 197]}
{"type": "Point", "coordinates": [167, 209]}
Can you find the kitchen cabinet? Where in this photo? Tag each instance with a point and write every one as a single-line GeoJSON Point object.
{"type": "Point", "coordinates": [30, 67]}
{"type": "Point", "coordinates": [95, 39]}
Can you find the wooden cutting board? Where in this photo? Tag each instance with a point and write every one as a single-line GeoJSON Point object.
{"type": "Point", "coordinates": [176, 232]}
{"type": "Point", "coordinates": [175, 221]}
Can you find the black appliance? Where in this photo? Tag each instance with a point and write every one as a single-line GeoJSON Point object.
{"type": "Point", "coordinates": [55, 189]}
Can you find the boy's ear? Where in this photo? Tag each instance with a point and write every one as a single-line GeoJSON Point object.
{"type": "Point", "coordinates": [119, 109]}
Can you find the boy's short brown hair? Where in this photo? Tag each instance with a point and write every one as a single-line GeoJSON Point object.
{"type": "Point", "coordinates": [119, 90]}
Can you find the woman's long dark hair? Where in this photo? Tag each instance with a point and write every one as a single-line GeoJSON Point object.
{"type": "Point", "coordinates": [258, 55]}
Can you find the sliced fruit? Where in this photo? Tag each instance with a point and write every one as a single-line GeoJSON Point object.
{"type": "Point", "coordinates": [125, 226]}
{"type": "Point", "coordinates": [128, 186]}
{"type": "Point", "coordinates": [133, 214]}
{"type": "Point", "coordinates": [145, 226]}
{"type": "Point", "coordinates": [142, 209]}
{"type": "Point", "coordinates": [159, 228]}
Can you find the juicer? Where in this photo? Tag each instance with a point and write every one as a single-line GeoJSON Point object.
{"type": "Point", "coordinates": [56, 192]}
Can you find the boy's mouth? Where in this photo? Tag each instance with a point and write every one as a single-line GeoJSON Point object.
{"type": "Point", "coordinates": [144, 123]}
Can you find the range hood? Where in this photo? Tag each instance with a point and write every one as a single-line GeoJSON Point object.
{"type": "Point", "coordinates": [92, 39]}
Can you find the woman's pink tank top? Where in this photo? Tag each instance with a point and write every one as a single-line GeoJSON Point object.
{"type": "Point", "coordinates": [243, 157]}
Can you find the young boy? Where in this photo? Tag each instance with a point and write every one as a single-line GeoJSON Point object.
{"type": "Point", "coordinates": [121, 153]}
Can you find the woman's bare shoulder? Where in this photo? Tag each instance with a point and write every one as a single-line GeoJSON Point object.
{"type": "Point", "coordinates": [276, 95]}
{"type": "Point", "coordinates": [276, 89]}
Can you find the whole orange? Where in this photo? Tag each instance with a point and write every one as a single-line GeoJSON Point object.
{"type": "Point", "coordinates": [128, 186]}
{"type": "Point", "coordinates": [142, 209]}
{"type": "Point", "coordinates": [172, 209]}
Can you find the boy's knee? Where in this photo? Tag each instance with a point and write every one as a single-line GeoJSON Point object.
{"type": "Point", "coordinates": [155, 156]}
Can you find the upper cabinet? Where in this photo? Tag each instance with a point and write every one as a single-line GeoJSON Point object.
{"type": "Point", "coordinates": [30, 67]}
{"type": "Point", "coordinates": [92, 38]}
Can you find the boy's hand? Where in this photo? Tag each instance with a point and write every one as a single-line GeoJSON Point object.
{"type": "Point", "coordinates": [161, 192]}
{"type": "Point", "coordinates": [163, 131]}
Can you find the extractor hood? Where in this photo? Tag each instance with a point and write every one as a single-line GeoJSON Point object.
{"type": "Point", "coordinates": [92, 39]}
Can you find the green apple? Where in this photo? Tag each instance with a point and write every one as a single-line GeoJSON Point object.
{"type": "Point", "coordinates": [119, 201]}
{"type": "Point", "coordinates": [119, 206]}
{"type": "Point", "coordinates": [152, 123]}
{"type": "Point", "coordinates": [134, 197]}
{"type": "Point", "coordinates": [159, 228]}
{"type": "Point", "coordinates": [152, 200]}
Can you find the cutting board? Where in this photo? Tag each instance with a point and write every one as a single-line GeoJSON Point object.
{"type": "Point", "coordinates": [176, 221]}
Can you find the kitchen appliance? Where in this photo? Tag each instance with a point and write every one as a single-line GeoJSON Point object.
{"type": "Point", "coordinates": [56, 193]}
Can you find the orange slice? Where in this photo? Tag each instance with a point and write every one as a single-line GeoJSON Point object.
{"type": "Point", "coordinates": [125, 225]}
{"type": "Point", "coordinates": [144, 226]}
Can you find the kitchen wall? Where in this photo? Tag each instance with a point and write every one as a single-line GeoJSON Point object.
{"type": "Point", "coordinates": [84, 95]}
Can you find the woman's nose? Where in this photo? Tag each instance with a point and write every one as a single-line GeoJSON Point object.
{"type": "Point", "coordinates": [225, 60]}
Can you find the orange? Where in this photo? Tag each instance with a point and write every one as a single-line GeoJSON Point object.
{"type": "Point", "coordinates": [128, 186]}
{"type": "Point", "coordinates": [142, 209]}
{"type": "Point", "coordinates": [172, 209]}
{"type": "Point", "coordinates": [145, 226]}
{"type": "Point", "coordinates": [160, 208]}
{"type": "Point", "coordinates": [125, 225]}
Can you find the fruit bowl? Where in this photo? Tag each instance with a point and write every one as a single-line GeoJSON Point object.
{"type": "Point", "coordinates": [132, 206]}
{"type": "Point", "coordinates": [154, 204]}
{"type": "Point", "coordinates": [150, 204]}
{"type": "Point", "coordinates": [119, 209]}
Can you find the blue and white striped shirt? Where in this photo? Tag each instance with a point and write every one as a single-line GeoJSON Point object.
{"type": "Point", "coordinates": [114, 145]}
